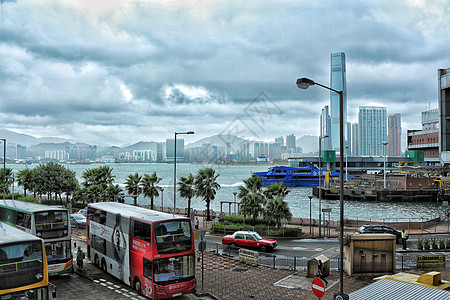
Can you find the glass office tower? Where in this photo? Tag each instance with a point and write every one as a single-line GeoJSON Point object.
{"type": "Point", "coordinates": [338, 82]}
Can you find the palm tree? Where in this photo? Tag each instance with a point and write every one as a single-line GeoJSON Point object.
{"type": "Point", "coordinates": [251, 185]}
{"type": "Point", "coordinates": [253, 205]}
{"type": "Point", "coordinates": [186, 188]}
{"type": "Point", "coordinates": [149, 186]}
{"type": "Point", "coordinates": [206, 187]}
{"type": "Point", "coordinates": [276, 190]}
{"type": "Point", "coordinates": [6, 180]}
{"type": "Point", "coordinates": [276, 210]}
{"type": "Point", "coordinates": [24, 180]}
{"type": "Point", "coordinates": [132, 186]}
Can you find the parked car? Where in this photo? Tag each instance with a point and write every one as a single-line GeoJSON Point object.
{"type": "Point", "coordinates": [249, 239]}
{"type": "Point", "coordinates": [78, 221]}
{"type": "Point", "coordinates": [376, 228]}
{"type": "Point", "coordinates": [82, 212]}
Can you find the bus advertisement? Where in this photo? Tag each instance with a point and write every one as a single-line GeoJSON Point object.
{"type": "Point", "coordinates": [152, 252]}
{"type": "Point", "coordinates": [23, 265]}
{"type": "Point", "coordinates": [51, 223]}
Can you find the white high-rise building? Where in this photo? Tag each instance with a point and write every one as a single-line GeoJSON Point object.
{"type": "Point", "coordinates": [337, 82]}
{"type": "Point", "coordinates": [372, 130]}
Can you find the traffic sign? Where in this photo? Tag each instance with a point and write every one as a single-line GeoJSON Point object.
{"type": "Point", "coordinates": [318, 287]}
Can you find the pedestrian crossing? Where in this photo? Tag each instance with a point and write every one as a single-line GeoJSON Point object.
{"type": "Point", "coordinates": [118, 289]}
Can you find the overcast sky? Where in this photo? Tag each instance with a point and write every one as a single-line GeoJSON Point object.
{"type": "Point", "coordinates": [119, 72]}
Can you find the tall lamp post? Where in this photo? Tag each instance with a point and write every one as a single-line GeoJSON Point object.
{"type": "Point", "coordinates": [235, 193]}
{"type": "Point", "coordinates": [346, 162]}
{"type": "Point", "coordinates": [384, 169]}
{"type": "Point", "coordinates": [320, 183]}
{"type": "Point", "coordinates": [4, 168]}
{"type": "Point", "coordinates": [162, 199]}
{"type": "Point", "coordinates": [304, 83]}
{"type": "Point", "coordinates": [175, 170]}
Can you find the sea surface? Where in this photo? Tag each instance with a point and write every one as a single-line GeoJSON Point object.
{"type": "Point", "coordinates": [232, 176]}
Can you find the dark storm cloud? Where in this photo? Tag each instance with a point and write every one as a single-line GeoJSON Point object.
{"type": "Point", "coordinates": [119, 70]}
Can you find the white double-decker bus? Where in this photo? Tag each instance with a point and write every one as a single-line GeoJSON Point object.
{"type": "Point", "coordinates": [51, 223]}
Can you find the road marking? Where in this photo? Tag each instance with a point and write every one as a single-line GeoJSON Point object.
{"type": "Point", "coordinates": [319, 249]}
{"type": "Point", "coordinates": [300, 248]}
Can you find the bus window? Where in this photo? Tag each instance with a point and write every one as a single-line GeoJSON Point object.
{"type": "Point", "coordinates": [148, 266]}
{"type": "Point", "coordinates": [141, 230]}
{"type": "Point", "coordinates": [21, 264]}
{"type": "Point", "coordinates": [173, 236]}
{"type": "Point", "coordinates": [52, 224]}
{"type": "Point", "coordinates": [97, 215]}
{"type": "Point", "coordinates": [169, 270]}
{"type": "Point", "coordinates": [56, 251]}
{"type": "Point", "coordinates": [23, 220]}
{"type": "Point", "coordinates": [99, 244]}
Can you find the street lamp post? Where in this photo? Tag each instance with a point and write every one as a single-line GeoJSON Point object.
{"type": "Point", "coordinates": [175, 170]}
{"type": "Point", "coordinates": [310, 216]}
{"type": "Point", "coordinates": [235, 193]}
{"type": "Point", "coordinates": [320, 183]}
{"type": "Point", "coordinates": [346, 162]}
{"type": "Point", "coordinates": [4, 168]}
{"type": "Point", "coordinates": [162, 199]}
{"type": "Point", "coordinates": [304, 83]}
{"type": "Point", "coordinates": [384, 169]}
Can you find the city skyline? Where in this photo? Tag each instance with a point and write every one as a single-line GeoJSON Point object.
{"type": "Point", "coordinates": [118, 72]}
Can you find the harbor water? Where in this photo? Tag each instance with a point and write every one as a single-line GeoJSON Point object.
{"type": "Point", "coordinates": [232, 176]}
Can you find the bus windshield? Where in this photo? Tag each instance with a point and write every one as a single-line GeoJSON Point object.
{"type": "Point", "coordinates": [173, 236]}
{"type": "Point", "coordinates": [174, 269]}
{"type": "Point", "coordinates": [58, 251]}
{"type": "Point", "coordinates": [21, 264]}
{"type": "Point", "coordinates": [52, 224]}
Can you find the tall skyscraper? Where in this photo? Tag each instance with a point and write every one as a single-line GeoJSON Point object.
{"type": "Point", "coordinates": [372, 130]}
{"type": "Point", "coordinates": [291, 142]}
{"type": "Point", "coordinates": [280, 140]}
{"type": "Point", "coordinates": [339, 83]}
{"type": "Point", "coordinates": [355, 141]}
{"type": "Point", "coordinates": [325, 128]}
{"type": "Point", "coordinates": [348, 139]}
{"type": "Point", "coordinates": [444, 114]}
{"type": "Point", "coordinates": [170, 149]}
{"type": "Point", "coordinates": [394, 135]}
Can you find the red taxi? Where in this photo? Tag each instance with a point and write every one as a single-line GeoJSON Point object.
{"type": "Point", "coordinates": [249, 239]}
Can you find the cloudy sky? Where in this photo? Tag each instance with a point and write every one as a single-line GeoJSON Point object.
{"type": "Point", "coordinates": [117, 72]}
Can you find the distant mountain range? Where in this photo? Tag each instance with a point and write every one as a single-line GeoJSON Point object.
{"type": "Point", "coordinates": [38, 146]}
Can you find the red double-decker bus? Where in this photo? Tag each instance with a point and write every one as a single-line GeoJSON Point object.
{"type": "Point", "coordinates": [153, 252]}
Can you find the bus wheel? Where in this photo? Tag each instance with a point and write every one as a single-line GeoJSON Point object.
{"type": "Point", "coordinates": [96, 263]}
{"type": "Point", "coordinates": [137, 286]}
{"type": "Point", "coordinates": [104, 267]}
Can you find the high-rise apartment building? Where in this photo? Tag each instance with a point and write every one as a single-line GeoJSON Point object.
{"type": "Point", "coordinates": [427, 138]}
{"type": "Point", "coordinates": [394, 135]}
{"type": "Point", "coordinates": [291, 142]}
{"type": "Point", "coordinates": [337, 82]}
{"type": "Point", "coordinates": [280, 140]}
{"type": "Point", "coordinates": [372, 122]}
{"type": "Point", "coordinates": [355, 141]}
{"type": "Point", "coordinates": [325, 128]}
{"type": "Point", "coordinates": [444, 114]}
{"type": "Point", "coordinates": [348, 139]}
{"type": "Point", "coordinates": [170, 150]}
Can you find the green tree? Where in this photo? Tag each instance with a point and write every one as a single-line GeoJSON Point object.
{"type": "Point", "coordinates": [276, 210]}
{"type": "Point", "coordinates": [24, 180]}
{"type": "Point", "coordinates": [98, 176]}
{"type": "Point", "coordinates": [276, 190]}
{"type": "Point", "coordinates": [252, 205]}
{"type": "Point", "coordinates": [186, 188]}
{"type": "Point", "coordinates": [149, 186]}
{"type": "Point", "coordinates": [206, 187]}
{"type": "Point", "coordinates": [6, 179]}
{"type": "Point", "coordinates": [132, 185]}
{"type": "Point", "coordinates": [252, 185]}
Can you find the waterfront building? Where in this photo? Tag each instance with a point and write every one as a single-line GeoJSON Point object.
{"type": "Point", "coordinates": [58, 155]}
{"type": "Point", "coordinates": [160, 152]}
{"type": "Point", "coordinates": [82, 153]}
{"type": "Point", "coordinates": [245, 151]}
{"type": "Point", "coordinates": [427, 138]}
{"type": "Point", "coordinates": [143, 155]}
{"type": "Point", "coordinates": [170, 150]}
{"type": "Point", "coordinates": [280, 140]}
{"type": "Point", "coordinates": [260, 149]}
{"type": "Point", "coordinates": [291, 143]}
{"type": "Point", "coordinates": [372, 132]}
{"type": "Point", "coordinates": [325, 128]}
{"type": "Point", "coordinates": [394, 135]}
{"type": "Point", "coordinates": [337, 82]}
{"type": "Point", "coordinates": [355, 141]}
{"type": "Point", "coordinates": [348, 139]}
{"type": "Point", "coordinates": [275, 150]}
{"type": "Point", "coordinates": [444, 115]}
